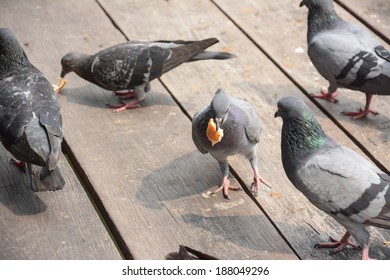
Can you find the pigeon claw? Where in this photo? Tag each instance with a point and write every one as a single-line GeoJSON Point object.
{"type": "Point", "coordinates": [225, 187]}
{"type": "Point", "coordinates": [337, 245]}
{"type": "Point", "coordinates": [326, 96]}
{"type": "Point", "coordinates": [360, 114]}
{"type": "Point", "coordinates": [122, 106]}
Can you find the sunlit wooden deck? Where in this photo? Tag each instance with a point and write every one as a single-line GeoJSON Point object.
{"type": "Point", "coordinates": [135, 182]}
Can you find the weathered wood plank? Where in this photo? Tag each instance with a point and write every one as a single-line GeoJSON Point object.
{"type": "Point", "coordinates": [250, 75]}
{"type": "Point", "coordinates": [141, 163]}
{"type": "Point", "coordinates": [49, 225]}
{"type": "Point", "coordinates": [376, 13]}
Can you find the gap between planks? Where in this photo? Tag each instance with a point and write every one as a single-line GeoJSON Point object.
{"type": "Point", "coordinates": [96, 202]}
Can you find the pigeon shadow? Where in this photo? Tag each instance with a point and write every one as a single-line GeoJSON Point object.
{"type": "Point", "coordinates": [94, 96]}
{"type": "Point", "coordinates": [191, 174]}
{"type": "Point", "coordinates": [15, 192]}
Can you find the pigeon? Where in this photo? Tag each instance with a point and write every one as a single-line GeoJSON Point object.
{"type": "Point", "coordinates": [128, 68]}
{"type": "Point", "coordinates": [228, 126]}
{"type": "Point", "coordinates": [337, 180]}
{"type": "Point", "coordinates": [346, 55]}
{"type": "Point", "coordinates": [30, 119]}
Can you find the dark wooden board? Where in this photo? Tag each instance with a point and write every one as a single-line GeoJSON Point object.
{"type": "Point", "coordinates": [251, 75]}
{"type": "Point", "coordinates": [376, 13]}
{"type": "Point", "coordinates": [142, 165]}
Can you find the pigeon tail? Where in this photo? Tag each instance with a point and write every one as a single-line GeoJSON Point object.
{"type": "Point", "coordinates": [43, 179]}
{"type": "Point", "coordinates": [212, 55]}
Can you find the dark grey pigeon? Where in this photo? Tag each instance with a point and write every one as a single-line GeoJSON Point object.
{"type": "Point", "coordinates": [346, 55]}
{"type": "Point", "coordinates": [238, 127]}
{"type": "Point", "coordinates": [30, 120]}
{"type": "Point", "coordinates": [334, 178]}
{"type": "Point", "coordinates": [128, 68]}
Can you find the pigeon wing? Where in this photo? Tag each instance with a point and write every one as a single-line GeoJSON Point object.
{"type": "Point", "coordinates": [252, 123]}
{"type": "Point", "coordinates": [123, 66]}
{"type": "Point", "coordinates": [341, 182]}
{"type": "Point", "coordinates": [198, 121]}
{"type": "Point", "coordinates": [345, 56]}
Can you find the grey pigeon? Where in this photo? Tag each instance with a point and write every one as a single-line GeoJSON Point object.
{"type": "Point", "coordinates": [238, 127]}
{"type": "Point", "coordinates": [129, 67]}
{"type": "Point", "coordinates": [345, 54]}
{"type": "Point", "coordinates": [334, 178]}
{"type": "Point", "coordinates": [30, 120]}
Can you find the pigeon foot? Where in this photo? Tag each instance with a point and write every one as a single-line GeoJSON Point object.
{"type": "Point", "coordinates": [361, 114]}
{"type": "Point", "coordinates": [225, 187]}
{"type": "Point", "coordinates": [338, 245]}
{"type": "Point", "coordinates": [19, 164]}
{"type": "Point", "coordinates": [123, 106]}
{"type": "Point", "coordinates": [257, 179]}
{"type": "Point", "coordinates": [365, 253]}
{"type": "Point", "coordinates": [326, 96]}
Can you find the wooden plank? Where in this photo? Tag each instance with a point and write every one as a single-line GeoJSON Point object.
{"type": "Point", "coordinates": [376, 13]}
{"type": "Point", "coordinates": [49, 225]}
{"type": "Point", "coordinates": [252, 76]}
{"type": "Point", "coordinates": [142, 164]}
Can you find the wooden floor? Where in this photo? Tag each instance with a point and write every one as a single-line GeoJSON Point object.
{"type": "Point", "coordinates": [135, 183]}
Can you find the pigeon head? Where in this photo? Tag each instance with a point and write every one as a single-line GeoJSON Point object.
{"type": "Point", "coordinates": [291, 107]}
{"type": "Point", "coordinates": [219, 107]}
{"type": "Point", "coordinates": [11, 52]}
{"type": "Point", "coordinates": [301, 133]}
{"type": "Point", "coordinates": [73, 62]}
{"type": "Point", "coordinates": [321, 15]}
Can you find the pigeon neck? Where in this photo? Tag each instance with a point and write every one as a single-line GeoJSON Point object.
{"type": "Point", "coordinates": [82, 66]}
{"type": "Point", "coordinates": [11, 61]}
{"type": "Point", "coordinates": [320, 19]}
{"type": "Point", "coordinates": [301, 136]}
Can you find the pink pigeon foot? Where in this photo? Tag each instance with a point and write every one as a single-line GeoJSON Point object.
{"type": "Point", "coordinates": [123, 106]}
{"type": "Point", "coordinates": [225, 187]}
{"type": "Point", "coordinates": [257, 179]}
{"type": "Point", "coordinates": [360, 114]}
{"type": "Point", "coordinates": [365, 253]}
{"type": "Point", "coordinates": [327, 96]}
{"type": "Point", "coordinates": [338, 245]}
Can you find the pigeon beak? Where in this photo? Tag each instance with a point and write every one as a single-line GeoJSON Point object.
{"type": "Point", "coordinates": [276, 114]}
{"type": "Point", "coordinates": [218, 123]}
{"type": "Point", "coordinates": [303, 3]}
{"type": "Point", "coordinates": [63, 73]}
